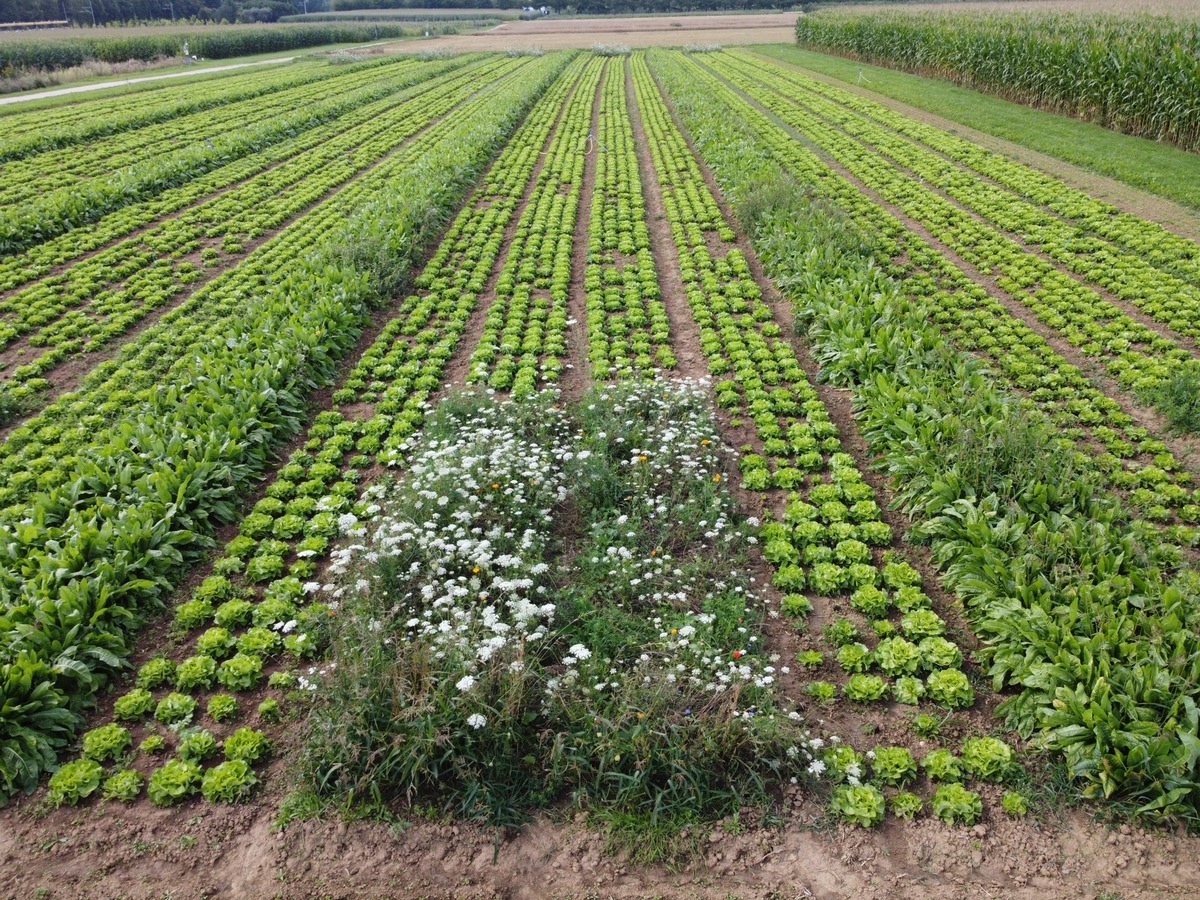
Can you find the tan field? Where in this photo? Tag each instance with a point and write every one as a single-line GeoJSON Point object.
{"type": "Point", "coordinates": [1182, 9]}
{"type": "Point", "coordinates": [639, 31]}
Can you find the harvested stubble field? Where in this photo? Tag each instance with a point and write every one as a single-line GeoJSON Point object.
{"type": "Point", "coordinates": [635, 31]}
{"type": "Point", "coordinates": [811, 523]}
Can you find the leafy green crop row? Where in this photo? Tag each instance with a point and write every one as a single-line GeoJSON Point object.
{"type": "Point", "coordinates": [76, 166]}
{"type": "Point", "coordinates": [524, 333]}
{"type": "Point", "coordinates": [258, 586]}
{"type": "Point", "coordinates": [825, 536]}
{"type": "Point", "coordinates": [1165, 296]}
{"type": "Point", "coordinates": [29, 133]}
{"type": "Point", "coordinates": [69, 207]}
{"type": "Point", "coordinates": [1134, 463]}
{"type": "Point", "coordinates": [96, 552]}
{"type": "Point", "coordinates": [1154, 487]}
{"type": "Point", "coordinates": [37, 261]}
{"type": "Point", "coordinates": [627, 325]}
{"type": "Point", "coordinates": [80, 309]}
{"type": "Point", "coordinates": [1100, 644]}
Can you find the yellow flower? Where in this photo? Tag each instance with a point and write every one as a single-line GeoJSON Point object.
{"type": "Point", "coordinates": [716, 478]}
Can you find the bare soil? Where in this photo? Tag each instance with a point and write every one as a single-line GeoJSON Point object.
{"type": "Point", "coordinates": [196, 850]}
{"type": "Point", "coordinates": [640, 31]}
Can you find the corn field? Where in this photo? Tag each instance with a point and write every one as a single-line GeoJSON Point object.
{"type": "Point", "coordinates": [1139, 75]}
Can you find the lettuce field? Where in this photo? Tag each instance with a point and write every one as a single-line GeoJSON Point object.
{"type": "Point", "coordinates": [669, 444]}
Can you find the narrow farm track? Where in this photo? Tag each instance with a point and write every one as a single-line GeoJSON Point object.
{"type": "Point", "coordinates": [200, 521]}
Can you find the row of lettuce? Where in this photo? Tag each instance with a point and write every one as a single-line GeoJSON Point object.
{"type": "Point", "coordinates": [144, 256]}
{"type": "Point", "coordinates": [952, 268]}
{"type": "Point", "coordinates": [1098, 641]}
{"type": "Point", "coordinates": [85, 559]}
{"type": "Point", "coordinates": [260, 615]}
{"type": "Point", "coordinates": [824, 539]}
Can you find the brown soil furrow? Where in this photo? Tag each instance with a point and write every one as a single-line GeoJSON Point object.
{"type": "Point", "coordinates": [1175, 218]}
{"type": "Point", "coordinates": [577, 374]}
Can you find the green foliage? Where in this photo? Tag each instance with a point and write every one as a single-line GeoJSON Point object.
{"type": "Point", "coordinates": [861, 805]}
{"type": "Point", "coordinates": [939, 653]}
{"type": "Point", "coordinates": [893, 765]}
{"type": "Point", "coordinates": [247, 744]}
{"type": "Point", "coordinates": [192, 614]}
{"type": "Point", "coordinates": [906, 805]}
{"type": "Point", "coordinates": [896, 656]}
{"type": "Point", "coordinates": [196, 745]}
{"type": "Point", "coordinates": [954, 803]}
{"type": "Point", "coordinates": [810, 659]}
{"type": "Point", "coordinates": [216, 642]}
{"type": "Point", "coordinates": [864, 688]}
{"type": "Point", "coordinates": [195, 672]}
{"type": "Point", "coordinates": [855, 657]}
{"type": "Point", "coordinates": [1014, 804]}
{"type": "Point", "coordinates": [222, 707]}
{"type": "Point", "coordinates": [870, 601]}
{"type": "Point", "coordinates": [821, 691]}
{"type": "Point", "coordinates": [1178, 399]}
{"type": "Point", "coordinates": [74, 781]}
{"type": "Point", "coordinates": [173, 781]}
{"type": "Point", "coordinates": [124, 785]}
{"type": "Point", "coordinates": [950, 688]}
{"type": "Point", "coordinates": [269, 710]}
{"type": "Point", "coordinates": [795, 606]}
{"type": "Point", "coordinates": [926, 726]}
{"type": "Point", "coordinates": [942, 765]}
{"type": "Point", "coordinates": [841, 632]}
{"type": "Point", "coordinates": [988, 758]}
{"type": "Point", "coordinates": [175, 709]}
{"type": "Point", "coordinates": [156, 672]}
{"type": "Point", "coordinates": [908, 690]}
{"type": "Point", "coordinates": [922, 623]}
{"type": "Point", "coordinates": [134, 704]}
{"type": "Point", "coordinates": [241, 672]}
{"type": "Point", "coordinates": [228, 782]}
{"type": "Point", "coordinates": [106, 742]}
{"type": "Point", "coordinates": [1024, 56]}
{"type": "Point", "coordinates": [154, 743]}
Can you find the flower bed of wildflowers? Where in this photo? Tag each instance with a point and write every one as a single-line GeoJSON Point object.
{"type": "Point", "coordinates": [554, 604]}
